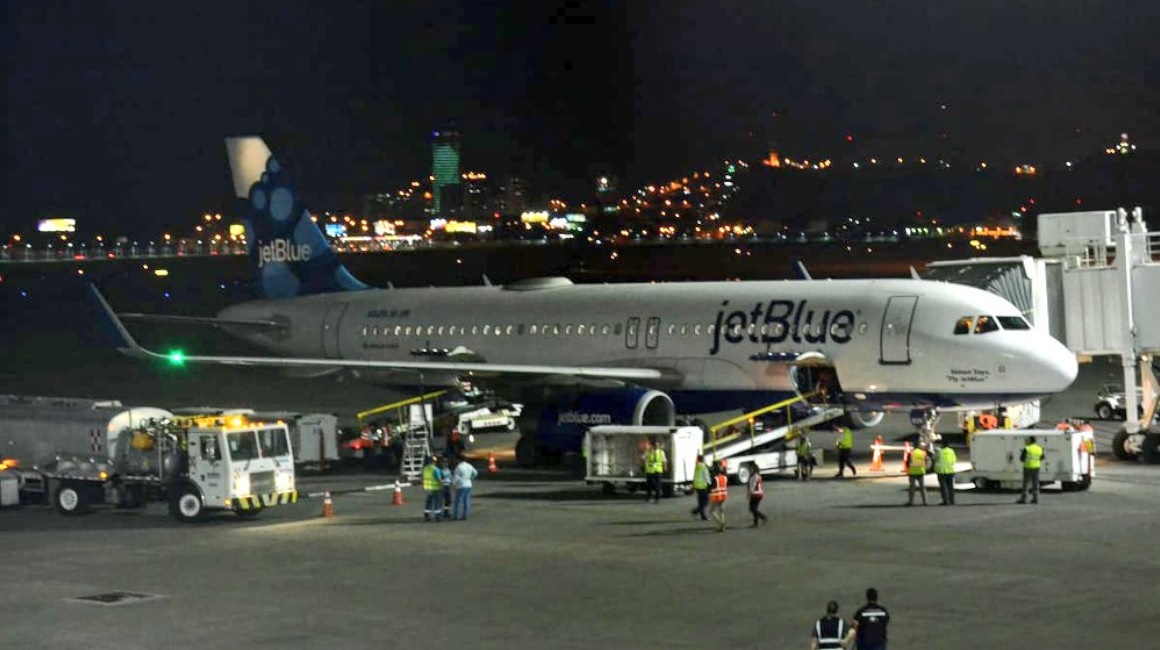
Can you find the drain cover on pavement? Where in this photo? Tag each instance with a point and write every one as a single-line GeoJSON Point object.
{"type": "Point", "coordinates": [112, 598]}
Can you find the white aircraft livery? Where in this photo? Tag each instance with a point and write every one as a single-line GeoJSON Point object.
{"type": "Point", "coordinates": [686, 347]}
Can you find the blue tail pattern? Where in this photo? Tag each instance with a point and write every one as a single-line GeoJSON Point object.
{"type": "Point", "coordinates": [290, 254]}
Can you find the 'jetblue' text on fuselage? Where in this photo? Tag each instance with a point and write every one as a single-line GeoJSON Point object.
{"type": "Point", "coordinates": [780, 320]}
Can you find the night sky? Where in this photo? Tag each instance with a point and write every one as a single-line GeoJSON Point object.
{"type": "Point", "coordinates": [115, 111]}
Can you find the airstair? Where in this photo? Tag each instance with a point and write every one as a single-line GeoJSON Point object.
{"type": "Point", "coordinates": [411, 418]}
{"type": "Point", "coordinates": [727, 441]}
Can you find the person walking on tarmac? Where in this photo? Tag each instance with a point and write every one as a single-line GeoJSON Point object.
{"type": "Point", "coordinates": [655, 463]}
{"type": "Point", "coordinates": [944, 467]}
{"type": "Point", "coordinates": [717, 497]}
{"type": "Point", "coordinates": [828, 631]}
{"type": "Point", "coordinates": [755, 489]}
{"type": "Point", "coordinates": [445, 485]}
{"type": "Point", "coordinates": [845, 445]}
{"type": "Point", "coordinates": [868, 630]}
{"type": "Point", "coordinates": [701, 482]}
{"type": "Point", "coordinates": [1032, 457]}
{"type": "Point", "coordinates": [805, 455]}
{"type": "Point", "coordinates": [916, 474]}
{"type": "Point", "coordinates": [433, 490]}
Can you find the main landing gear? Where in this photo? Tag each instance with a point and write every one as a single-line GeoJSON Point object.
{"type": "Point", "coordinates": [925, 421]}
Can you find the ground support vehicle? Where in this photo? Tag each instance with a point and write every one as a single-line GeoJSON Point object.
{"type": "Point", "coordinates": [1069, 457]}
{"type": "Point", "coordinates": [313, 436]}
{"type": "Point", "coordinates": [615, 456]}
{"type": "Point", "coordinates": [196, 464]}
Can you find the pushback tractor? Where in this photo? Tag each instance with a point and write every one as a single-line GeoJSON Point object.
{"type": "Point", "coordinates": [194, 464]}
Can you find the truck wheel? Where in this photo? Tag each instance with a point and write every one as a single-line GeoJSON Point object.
{"type": "Point", "coordinates": [1119, 450]}
{"type": "Point", "coordinates": [185, 504]}
{"type": "Point", "coordinates": [1150, 451]}
{"type": "Point", "coordinates": [525, 452]}
{"type": "Point", "coordinates": [1084, 483]}
{"type": "Point", "coordinates": [69, 499]}
{"type": "Point", "coordinates": [746, 472]}
{"type": "Point", "coordinates": [1104, 411]}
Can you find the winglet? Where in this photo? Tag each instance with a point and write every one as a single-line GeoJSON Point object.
{"type": "Point", "coordinates": [800, 270]}
{"type": "Point", "coordinates": [121, 338]}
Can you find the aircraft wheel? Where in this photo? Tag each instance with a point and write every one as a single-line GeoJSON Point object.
{"type": "Point", "coordinates": [1119, 450]}
{"type": "Point", "coordinates": [525, 452]}
{"type": "Point", "coordinates": [1150, 451]}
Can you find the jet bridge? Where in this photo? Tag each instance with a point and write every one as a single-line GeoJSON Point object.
{"type": "Point", "coordinates": [1094, 290]}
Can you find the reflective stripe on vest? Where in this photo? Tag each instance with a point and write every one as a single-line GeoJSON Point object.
{"type": "Point", "coordinates": [1034, 456]}
{"type": "Point", "coordinates": [829, 641]}
{"type": "Point", "coordinates": [720, 489]}
{"type": "Point", "coordinates": [429, 480]}
{"type": "Point", "coordinates": [917, 465]}
{"type": "Point", "coordinates": [758, 489]}
{"type": "Point", "coordinates": [945, 463]}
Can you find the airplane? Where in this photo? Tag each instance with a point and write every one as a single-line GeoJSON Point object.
{"type": "Point", "coordinates": [654, 349]}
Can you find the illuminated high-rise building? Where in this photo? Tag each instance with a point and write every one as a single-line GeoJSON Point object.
{"type": "Point", "coordinates": [445, 186]}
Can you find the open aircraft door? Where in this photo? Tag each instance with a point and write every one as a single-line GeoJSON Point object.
{"type": "Point", "coordinates": [330, 330]}
{"type": "Point", "coordinates": [896, 321]}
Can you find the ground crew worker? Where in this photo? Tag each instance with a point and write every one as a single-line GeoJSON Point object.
{"type": "Point", "coordinates": [829, 630]}
{"type": "Point", "coordinates": [916, 475]}
{"type": "Point", "coordinates": [445, 485]}
{"type": "Point", "coordinates": [755, 488]}
{"type": "Point", "coordinates": [655, 463]}
{"type": "Point", "coordinates": [717, 497]}
{"type": "Point", "coordinates": [1032, 457]}
{"type": "Point", "coordinates": [805, 456]}
{"type": "Point", "coordinates": [944, 467]}
{"type": "Point", "coordinates": [432, 488]}
{"type": "Point", "coordinates": [868, 629]}
{"type": "Point", "coordinates": [701, 481]}
{"type": "Point", "coordinates": [845, 445]}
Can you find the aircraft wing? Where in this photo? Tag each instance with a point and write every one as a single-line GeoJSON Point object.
{"type": "Point", "coordinates": [202, 321]}
{"type": "Point", "coordinates": [129, 346]}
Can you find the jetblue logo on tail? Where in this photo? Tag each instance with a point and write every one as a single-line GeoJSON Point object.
{"type": "Point", "coordinates": [281, 250]}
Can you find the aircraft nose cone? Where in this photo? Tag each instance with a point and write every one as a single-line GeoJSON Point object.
{"type": "Point", "coordinates": [1060, 368]}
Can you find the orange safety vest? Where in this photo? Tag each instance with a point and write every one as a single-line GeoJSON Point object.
{"type": "Point", "coordinates": [720, 489]}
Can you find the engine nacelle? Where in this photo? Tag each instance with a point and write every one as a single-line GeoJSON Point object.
{"type": "Point", "coordinates": [863, 419]}
{"type": "Point", "coordinates": [562, 425]}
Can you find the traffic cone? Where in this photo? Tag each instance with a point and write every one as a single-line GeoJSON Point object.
{"type": "Point", "coordinates": [397, 500]}
{"type": "Point", "coordinates": [905, 456]}
{"type": "Point", "coordinates": [491, 462]}
{"type": "Point", "coordinates": [876, 459]}
{"type": "Point", "coordinates": [327, 505]}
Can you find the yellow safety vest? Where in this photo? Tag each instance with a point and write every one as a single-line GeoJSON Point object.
{"type": "Point", "coordinates": [945, 463]}
{"type": "Point", "coordinates": [1033, 454]}
{"type": "Point", "coordinates": [701, 477]}
{"type": "Point", "coordinates": [656, 461]}
{"type": "Point", "coordinates": [429, 480]}
{"type": "Point", "coordinates": [917, 462]}
{"type": "Point", "coordinates": [847, 441]}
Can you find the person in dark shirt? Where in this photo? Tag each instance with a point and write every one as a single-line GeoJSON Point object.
{"type": "Point", "coordinates": [868, 628]}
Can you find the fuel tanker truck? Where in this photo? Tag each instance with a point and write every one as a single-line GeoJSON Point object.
{"type": "Point", "coordinates": [195, 464]}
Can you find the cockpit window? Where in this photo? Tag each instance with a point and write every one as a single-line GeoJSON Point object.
{"type": "Point", "coordinates": [963, 326]}
{"type": "Point", "coordinates": [986, 324]}
{"type": "Point", "coordinates": [1014, 323]}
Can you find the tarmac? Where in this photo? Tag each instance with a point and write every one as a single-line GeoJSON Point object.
{"type": "Point", "coordinates": [547, 562]}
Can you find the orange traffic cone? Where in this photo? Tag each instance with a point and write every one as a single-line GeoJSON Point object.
{"type": "Point", "coordinates": [397, 500]}
{"type": "Point", "coordinates": [491, 462]}
{"type": "Point", "coordinates": [876, 459]}
{"type": "Point", "coordinates": [327, 505]}
{"type": "Point", "coordinates": [905, 456]}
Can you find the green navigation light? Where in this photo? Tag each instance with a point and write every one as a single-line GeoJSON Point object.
{"type": "Point", "coordinates": [176, 358]}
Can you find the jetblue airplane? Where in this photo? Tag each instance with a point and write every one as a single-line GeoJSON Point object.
{"type": "Point", "coordinates": [663, 349]}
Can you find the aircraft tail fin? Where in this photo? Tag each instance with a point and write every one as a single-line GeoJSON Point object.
{"type": "Point", "coordinates": [799, 269]}
{"type": "Point", "coordinates": [291, 257]}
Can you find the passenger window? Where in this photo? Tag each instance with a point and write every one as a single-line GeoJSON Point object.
{"type": "Point", "coordinates": [580, 329]}
{"type": "Point", "coordinates": [604, 329]}
{"type": "Point", "coordinates": [532, 330]}
{"type": "Point", "coordinates": [616, 329]}
{"type": "Point", "coordinates": [556, 329]}
{"type": "Point", "coordinates": [963, 326]}
{"type": "Point", "coordinates": [697, 330]}
{"type": "Point", "coordinates": [498, 330]}
{"type": "Point", "coordinates": [430, 330]}
{"type": "Point", "coordinates": [986, 324]}
{"type": "Point", "coordinates": [592, 329]}
{"type": "Point", "coordinates": [1014, 323]}
{"type": "Point", "coordinates": [520, 329]}
{"type": "Point", "coordinates": [486, 330]}
{"type": "Point", "coordinates": [567, 330]}
{"type": "Point", "coordinates": [685, 329]}
{"type": "Point", "coordinates": [364, 331]}
{"type": "Point", "coordinates": [407, 330]}
{"type": "Point", "coordinates": [474, 330]}
{"type": "Point", "coordinates": [440, 330]}
{"type": "Point", "coordinates": [209, 448]}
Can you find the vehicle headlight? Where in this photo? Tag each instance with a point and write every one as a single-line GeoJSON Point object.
{"type": "Point", "coordinates": [242, 484]}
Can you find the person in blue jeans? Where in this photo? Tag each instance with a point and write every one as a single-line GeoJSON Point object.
{"type": "Point", "coordinates": [465, 472]}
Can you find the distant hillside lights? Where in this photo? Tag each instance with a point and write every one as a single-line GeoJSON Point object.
{"type": "Point", "coordinates": [1123, 147]}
